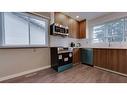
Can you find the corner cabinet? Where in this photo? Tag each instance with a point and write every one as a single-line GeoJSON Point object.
{"type": "Point", "coordinates": [77, 29]}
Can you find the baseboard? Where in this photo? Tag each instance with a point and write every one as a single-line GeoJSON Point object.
{"type": "Point", "coordinates": [76, 63]}
{"type": "Point", "coordinates": [88, 64]}
{"type": "Point", "coordinates": [24, 73]}
{"type": "Point", "coordinates": [111, 71]}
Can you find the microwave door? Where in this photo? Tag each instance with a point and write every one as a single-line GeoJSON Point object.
{"type": "Point", "coordinates": [62, 30]}
{"type": "Point", "coordinates": [57, 29]}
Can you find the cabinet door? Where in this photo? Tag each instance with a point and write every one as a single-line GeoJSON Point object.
{"type": "Point", "coordinates": [82, 29]}
{"type": "Point", "coordinates": [76, 56]}
{"type": "Point", "coordinates": [95, 57]}
{"type": "Point", "coordinates": [122, 59]}
{"type": "Point", "coordinates": [73, 28]}
{"type": "Point", "coordinates": [117, 60]}
{"type": "Point", "coordinates": [61, 19]}
{"type": "Point", "coordinates": [112, 60]}
{"type": "Point", "coordinates": [100, 57]}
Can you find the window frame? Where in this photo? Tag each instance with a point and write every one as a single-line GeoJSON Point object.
{"type": "Point", "coordinates": [2, 45]}
{"type": "Point", "coordinates": [106, 29]}
{"type": "Point", "coordinates": [46, 33]}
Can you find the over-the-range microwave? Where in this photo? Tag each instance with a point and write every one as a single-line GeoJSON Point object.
{"type": "Point", "coordinates": [56, 29]}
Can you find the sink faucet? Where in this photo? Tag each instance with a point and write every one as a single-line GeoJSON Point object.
{"type": "Point", "coordinates": [109, 44]}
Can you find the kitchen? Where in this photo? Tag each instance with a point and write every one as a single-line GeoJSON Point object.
{"type": "Point", "coordinates": [103, 55]}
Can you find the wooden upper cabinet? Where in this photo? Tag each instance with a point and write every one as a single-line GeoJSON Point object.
{"type": "Point", "coordinates": [65, 20]}
{"type": "Point", "coordinates": [82, 29]}
{"type": "Point", "coordinates": [73, 28]}
{"type": "Point", "coordinates": [76, 29]}
{"type": "Point", "coordinates": [61, 19]}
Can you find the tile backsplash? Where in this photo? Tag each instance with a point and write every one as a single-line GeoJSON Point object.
{"type": "Point", "coordinates": [57, 41]}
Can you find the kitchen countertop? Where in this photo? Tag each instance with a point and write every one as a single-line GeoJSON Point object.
{"type": "Point", "coordinates": [114, 45]}
{"type": "Point", "coordinates": [94, 45]}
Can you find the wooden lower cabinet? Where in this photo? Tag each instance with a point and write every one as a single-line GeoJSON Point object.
{"type": "Point", "coordinates": [122, 60]}
{"type": "Point", "coordinates": [100, 57]}
{"type": "Point", "coordinates": [112, 59]}
{"type": "Point", "coordinates": [76, 56]}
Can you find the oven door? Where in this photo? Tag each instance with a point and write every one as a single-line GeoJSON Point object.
{"type": "Point", "coordinates": [64, 58]}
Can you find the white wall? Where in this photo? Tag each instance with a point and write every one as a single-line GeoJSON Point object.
{"type": "Point", "coordinates": [14, 61]}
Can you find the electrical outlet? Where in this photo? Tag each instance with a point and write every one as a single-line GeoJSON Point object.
{"type": "Point", "coordinates": [34, 49]}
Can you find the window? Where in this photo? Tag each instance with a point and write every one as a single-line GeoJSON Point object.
{"type": "Point", "coordinates": [99, 33]}
{"type": "Point", "coordinates": [37, 32]}
{"type": "Point", "coordinates": [125, 31]}
{"type": "Point", "coordinates": [24, 29]}
{"type": "Point", "coordinates": [113, 31]}
{"type": "Point", "coordinates": [16, 30]}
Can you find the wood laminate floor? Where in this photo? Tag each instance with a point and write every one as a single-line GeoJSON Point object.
{"type": "Point", "coordinates": [78, 74]}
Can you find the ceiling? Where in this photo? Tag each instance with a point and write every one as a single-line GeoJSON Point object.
{"type": "Point", "coordinates": [85, 15]}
